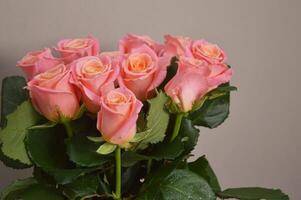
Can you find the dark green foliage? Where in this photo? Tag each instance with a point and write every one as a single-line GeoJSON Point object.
{"type": "Point", "coordinates": [13, 94]}
{"type": "Point", "coordinates": [153, 167]}
{"type": "Point", "coordinates": [202, 168]}
{"type": "Point", "coordinates": [253, 193]}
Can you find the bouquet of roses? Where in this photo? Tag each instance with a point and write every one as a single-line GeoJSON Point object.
{"type": "Point", "coordinates": [117, 125]}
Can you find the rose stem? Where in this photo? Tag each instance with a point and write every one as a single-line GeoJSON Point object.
{"type": "Point", "coordinates": [68, 127]}
{"type": "Point", "coordinates": [177, 126]}
{"type": "Point", "coordinates": [118, 173]}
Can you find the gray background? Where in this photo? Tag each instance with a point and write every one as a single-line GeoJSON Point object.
{"type": "Point", "coordinates": [260, 142]}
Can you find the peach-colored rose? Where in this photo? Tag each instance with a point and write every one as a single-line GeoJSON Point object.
{"type": "Point", "coordinates": [131, 41]}
{"type": "Point", "coordinates": [94, 76]}
{"type": "Point", "coordinates": [177, 45]}
{"type": "Point", "coordinates": [37, 62]}
{"type": "Point", "coordinates": [193, 80]}
{"type": "Point", "coordinates": [118, 115]}
{"type": "Point", "coordinates": [72, 49]}
{"type": "Point", "coordinates": [199, 49]}
{"type": "Point", "coordinates": [52, 94]}
{"type": "Point", "coordinates": [212, 53]}
{"type": "Point", "coordinates": [142, 71]}
{"type": "Point", "coordinates": [219, 73]}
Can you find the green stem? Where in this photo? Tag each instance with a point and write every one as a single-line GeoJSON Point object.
{"type": "Point", "coordinates": [118, 173]}
{"type": "Point", "coordinates": [176, 127]}
{"type": "Point", "coordinates": [68, 128]}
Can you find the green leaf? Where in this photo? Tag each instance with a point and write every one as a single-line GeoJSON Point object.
{"type": "Point", "coordinates": [82, 151]}
{"type": "Point", "coordinates": [9, 192]}
{"type": "Point", "coordinates": [95, 139]}
{"type": "Point", "coordinates": [224, 88]}
{"type": "Point", "coordinates": [46, 125]}
{"type": "Point", "coordinates": [12, 136]}
{"type": "Point", "coordinates": [140, 136]}
{"type": "Point", "coordinates": [157, 120]}
{"type": "Point", "coordinates": [167, 150]}
{"type": "Point", "coordinates": [64, 176]}
{"type": "Point", "coordinates": [83, 186]}
{"type": "Point", "coordinates": [180, 184]}
{"type": "Point", "coordinates": [10, 162]}
{"type": "Point", "coordinates": [40, 192]}
{"type": "Point", "coordinates": [162, 150]}
{"type": "Point", "coordinates": [106, 148]}
{"type": "Point", "coordinates": [182, 145]}
{"type": "Point", "coordinates": [190, 135]}
{"type": "Point", "coordinates": [47, 150]}
{"type": "Point", "coordinates": [42, 177]}
{"type": "Point", "coordinates": [202, 168]}
{"type": "Point", "coordinates": [253, 193]}
{"type": "Point", "coordinates": [46, 147]}
{"type": "Point", "coordinates": [129, 158]}
{"type": "Point", "coordinates": [155, 177]}
{"type": "Point", "coordinates": [29, 189]}
{"type": "Point", "coordinates": [13, 94]}
{"type": "Point", "coordinates": [213, 112]}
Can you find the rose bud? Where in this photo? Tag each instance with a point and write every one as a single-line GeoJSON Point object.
{"type": "Point", "coordinates": [36, 62]}
{"type": "Point", "coordinates": [72, 49]}
{"type": "Point", "coordinates": [142, 71]}
{"type": "Point", "coordinates": [194, 79]}
{"type": "Point", "coordinates": [118, 115]}
{"type": "Point", "coordinates": [53, 95]}
{"type": "Point", "coordinates": [94, 76]}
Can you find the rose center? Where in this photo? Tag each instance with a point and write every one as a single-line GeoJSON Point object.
{"type": "Point", "coordinates": [52, 72]}
{"type": "Point", "coordinates": [114, 97]}
{"type": "Point", "coordinates": [210, 50]}
{"type": "Point", "coordinates": [94, 67]}
{"type": "Point", "coordinates": [77, 44]}
{"type": "Point", "coordinates": [138, 63]}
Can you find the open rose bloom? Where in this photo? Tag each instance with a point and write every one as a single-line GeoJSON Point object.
{"type": "Point", "coordinates": [121, 124]}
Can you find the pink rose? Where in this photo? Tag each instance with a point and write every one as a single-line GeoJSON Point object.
{"type": "Point", "coordinates": [177, 45]}
{"type": "Point", "coordinates": [52, 94]}
{"type": "Point", "coordinates": [142, 71]}
{"type": "Point", "coordinates": [37, 62]}
{"type": "Point", "coordinates": [72, 49]}
{"type": "Point", "coordinates": [131, 41]}
{"type": "Point", "coordinates": [212, 53]}
{"type": "Point", "coordinates": [94, 76]}
{"type": "Point", "coordinates": [118, 115]}
{"type": "Point", "coordinates": [194, 79]}
{"type": "Point", "coordinates": [219, 73]}
{"type": "Point", "coordinates": [199, 49]}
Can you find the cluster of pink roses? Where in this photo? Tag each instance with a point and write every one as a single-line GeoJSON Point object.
{"type": "Point", "coordinates": [113, 84]}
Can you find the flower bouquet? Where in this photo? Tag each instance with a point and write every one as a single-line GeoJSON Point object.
{"type": "Point", "coordinates": [117, 125]}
